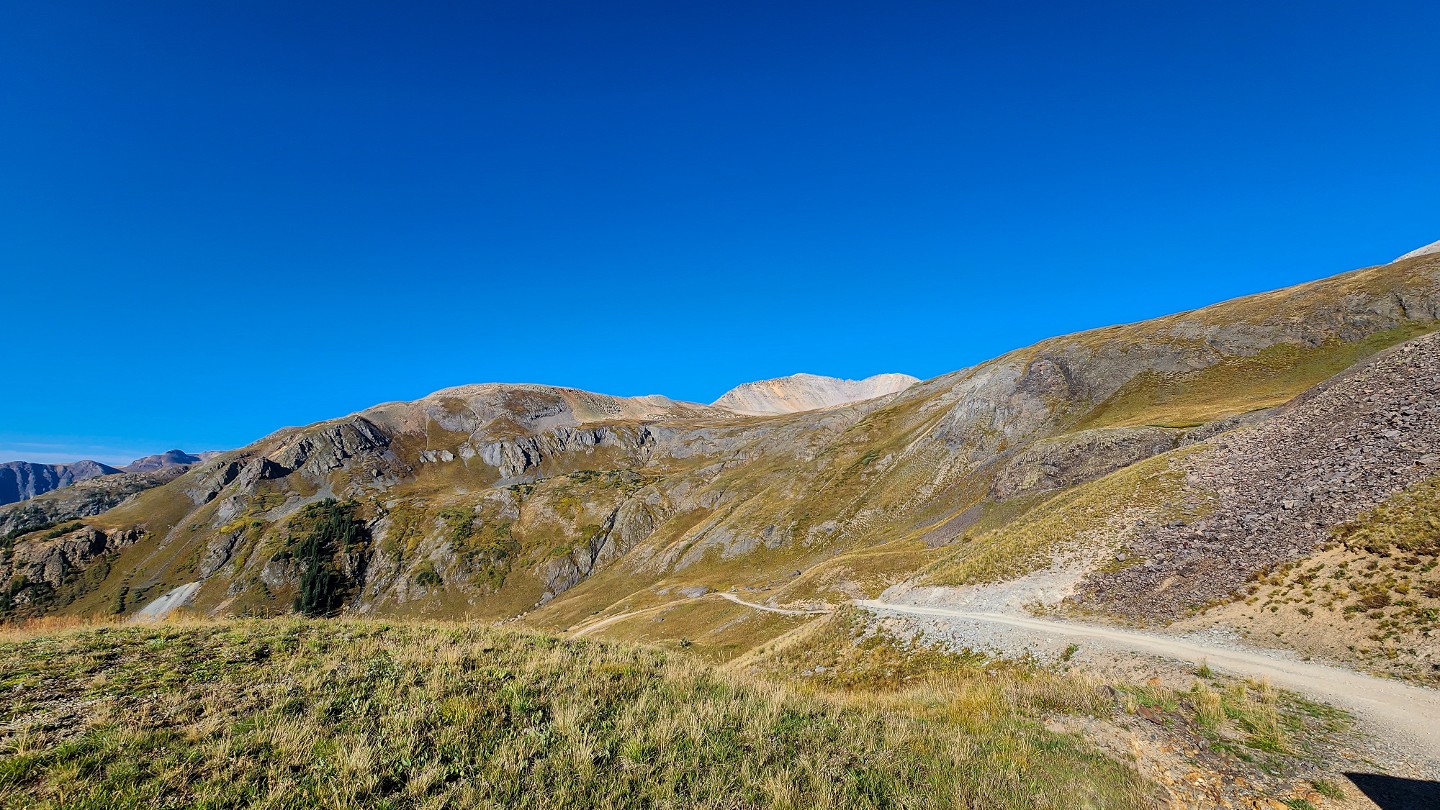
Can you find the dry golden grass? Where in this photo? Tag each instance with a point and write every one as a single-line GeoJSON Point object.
{"type": "Point", "coordinates": [287, 713]}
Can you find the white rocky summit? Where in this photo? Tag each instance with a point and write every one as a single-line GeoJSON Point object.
{"type": "Point", "coordinates": [1433, 247]}
{"type": "Point", "coordinates": [808, 392]}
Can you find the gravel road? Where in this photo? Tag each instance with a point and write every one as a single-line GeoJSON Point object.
{"type": "Point", "coordinates": [1408, 716]}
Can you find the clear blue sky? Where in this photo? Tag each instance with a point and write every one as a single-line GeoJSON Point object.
{"type": "Point", "coordinates": [218, 218]}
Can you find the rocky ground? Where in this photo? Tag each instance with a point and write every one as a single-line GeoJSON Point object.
{"type": "Point", "coordinates": [1275, 490]}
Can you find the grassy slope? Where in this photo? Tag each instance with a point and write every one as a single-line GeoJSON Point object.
{"type": "Point", "coordinates": [1091, 517]}
{"type": "Point", "coordinates": [347, 714]}
{"type": "Point", "coordinates": [1237, 385]}
{"type": "Point", "coordinates": [1223, 732]}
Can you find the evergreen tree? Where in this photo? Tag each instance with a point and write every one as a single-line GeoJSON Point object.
{"type": "Point", "coordinates": [322, 584]}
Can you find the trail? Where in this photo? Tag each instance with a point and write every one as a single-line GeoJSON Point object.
{"type": "Point", "coordinates": [606, 622]}
{"type": "Point", "coordinates": [619, 617]}
{"type": "Point", "coordinates": [786, 611]}
{"type": "Point", "coordinates": [1392, 708]}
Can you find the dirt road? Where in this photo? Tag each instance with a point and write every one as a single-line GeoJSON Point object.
{"type": "Point", "coordinates": [587, 629]}
{"type": "Point", "coordinates": [786, 611]}
{"type": "Point", "coordinates": [1391, 708]}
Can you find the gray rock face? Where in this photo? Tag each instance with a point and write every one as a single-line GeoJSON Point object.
{"type": "Point", "coordinates": [626, 527]}
{"type": "Point", "coordinates": [513, 458]}
{"type": "Point", "coordinates": [46, 563]}
{"type": "Point", "coordinates": [319, 452]}
{"type": "Point", "coordinates": [1079, 457]}
{"type": "Point", "coordinates": [20, 480]}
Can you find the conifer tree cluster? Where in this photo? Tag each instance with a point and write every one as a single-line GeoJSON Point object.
{"type": "Point", "coordinates": [335, 530]}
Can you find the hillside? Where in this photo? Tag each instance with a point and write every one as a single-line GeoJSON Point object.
{"type": "Point", "coordinates": [567, 508]}
{"type": "Point", "coordinates": [83, 499]}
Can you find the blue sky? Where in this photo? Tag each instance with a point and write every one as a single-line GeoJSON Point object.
{"type": "Point", "coordinates": [220, 218]}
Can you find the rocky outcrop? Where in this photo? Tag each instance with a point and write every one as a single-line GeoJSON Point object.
{"type": "Point", "coordinates": [514, 458]}
{"type": "Point", "coordinates": [20, 480]}
{"type": "Point", "coordinates": [39, 564]}
{"type": "Point", "coordinates": [626, 527]}
{"type": "Point", "coordinates": [808, 392]}
{"type": "Point", "coordinates": [218, 552]}
{"type": "Point", "coordinates": [1079, 457]}
{"type": "Point", "coordinates": [317, 452]}
{"type": "Point", "coordinates": [1279, 487]}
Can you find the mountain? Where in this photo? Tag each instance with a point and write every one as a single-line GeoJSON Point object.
{"type": "Point", "coordinates": [22, 479]}
{"type": "Point", "coordinates": [81, 499]}
{"type": "Point", "coordinates": [169, 458]}
{"type": "Point", "coordinates": [1433, 247]}
{"type": "Point", "coordinates": [808, 392]}
{"type": "Point", "coordinates": [1091, 460]}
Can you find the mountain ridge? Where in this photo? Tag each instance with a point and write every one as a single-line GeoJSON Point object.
{"type": "Point", "coordinates": [20, 480]}
{"type": "Point", "coordinates": [558, 506]}
{"type": "Point", "coordinates": [169, 458]}
{"type": "Point", "coordinates": [23, 480]}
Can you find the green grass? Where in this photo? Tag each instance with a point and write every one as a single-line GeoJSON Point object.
{"type": "Point", "coordinates": [291, 713]}
{"type": "Point", "coordinates": [1236, 385]}
{"type": "Point", "coordinates": [1406, 524]}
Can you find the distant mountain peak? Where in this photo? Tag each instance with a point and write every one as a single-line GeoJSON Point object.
{"type": "Point", "coordinates": [1433, 247]}
{"type": "Point", "coordinates": [169, 458]}
{"type": "Point", "coordinates": [808, 392]}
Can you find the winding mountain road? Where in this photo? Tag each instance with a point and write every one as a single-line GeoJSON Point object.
{"type": "Point", "coordinates": [1405, 714]}
{"type": "Point", "coordinates": [1394, 708]}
